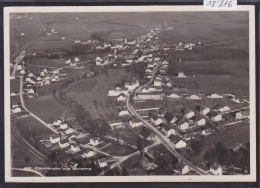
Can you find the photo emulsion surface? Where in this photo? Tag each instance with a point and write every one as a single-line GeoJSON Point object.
{"type": "Point", "coordinates": [123, 93]}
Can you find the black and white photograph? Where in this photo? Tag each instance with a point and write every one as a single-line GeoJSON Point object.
{"type": "Point", "coordinates": [121, 94]}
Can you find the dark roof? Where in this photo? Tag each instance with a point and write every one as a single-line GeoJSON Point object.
{"type": "Point", "coordinates": [135, 120]}
{"type": "Point", "coordinates": [145, 132]}
{"type": "Point", "coordinates": [179, 165]}
{"type": "Point", "coordinates": [55, 136]}
{"type": "Point", "coordinates": [175, 139]}
{"type": "Point", "coordinates": [102, 160]}
{"type": "Point", "coordinates": [169, 116]}
{"type": "Point", "coordinates": [75, 145]}
{"type": "Point", "coordinates": [122, 94]}
{"type": "Point", "coordinates": [64, 141]}
{"type": "Point", "coordinates": [154, 117]}
{"type": "Point", "coordinates": [214, 114]}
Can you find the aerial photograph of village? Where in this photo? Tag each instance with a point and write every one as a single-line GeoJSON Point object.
{"type": "Point", "coordinates": [129, 94]}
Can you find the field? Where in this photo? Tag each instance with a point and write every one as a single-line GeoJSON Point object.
{"type": "Point", "coordinates": [237, 134]}
{"type": "Point", "coordinates": [15, 85]}
{"type": "Point", "coordinates": [47, 108]}
{"type": "Point", "coordinates": [30, 28]}
{"type": "Point", "coordinates": [31, 127]}
{"type": "Point", "coordinates": [92, 92]}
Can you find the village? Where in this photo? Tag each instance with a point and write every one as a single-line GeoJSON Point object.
{"type": "Point", "coordinates": [204, 114]}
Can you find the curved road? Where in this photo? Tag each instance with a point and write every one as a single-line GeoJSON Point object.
{"type": "Point", "coordinates": [165, 141]}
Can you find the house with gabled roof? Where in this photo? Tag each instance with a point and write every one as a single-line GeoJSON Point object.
{"type": "Point", "coordinates": [178, 142]}
{"type": "Point", "coordinates": [215, 116]}
{"type": "Point", "coordinates": [57, 122]}
{"type": "Point", "coordinates": [94, 141]}
{"type": "Point", "coordinates": [188, 113]}
{"type": "Point", "coordinates": [147, 134]}
{"type": "Point", "coordinates": [123, 111]}
{"type": "Point", "coordinates": [132, 84]}
{"type": "Point", "coordinates": [200, 120]}
{"type": "Point", "coordinates": [63, 125]}
{"type": "Point", "coordinates": [135, 123]}
{"type": "Point", "coordinates": [64, 143]}
{"type": "Point", "coordinates": [156, 120]}
{"type": "Point", "coordinates": [170, 117]}
{"type": "Point", "coordinates": [182, 124]}
{"type": "Point", "coordinates": [75, 147]}
{"type": "Point", "coordinates": [88, 153]}
{"type": "Point", "coordinates": [215, 169]}
{"type": "Point", "coordinates": [221, 108]}
{"type": "Point", "coordinates": [102, 162]}
{"type": "Point", "coordinates": [121, 97]}
{"type": "Point", "coordinates": [55, 138]}
{"type": "Point", "coordinates": [207, 131]}
{"type": "Point", "coordinates": [181, 168]}
{"type": "Point", "coordinates": [203, 109]}
{"type": "Point", "coordinates": [169, 130]}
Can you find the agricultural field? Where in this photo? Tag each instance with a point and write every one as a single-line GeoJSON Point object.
{"type": "Point", "coordinates": [15, 85]}
{"type": "Point", "coordinates": [32, 128]}
{"type": "Point", "coordinates": [237, 134]}
{"type": "Point", "coordinates": [92, 92]}
{"type": "Point", "coordinates": [47, 108]}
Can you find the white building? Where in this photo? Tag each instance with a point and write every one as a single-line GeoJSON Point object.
{"type": "Point", "coordinates": [55, 138]}
{"type": "Point", "coordinates": [75, 147]}
{"type": "Point", "coordinates": [94, 141]}
{"type": "Point", "coordinates": [135, 123]}
{"type": "Point", "coordinates": [64, 143]}
{"type": "Point", "coordinates": [215, 169]}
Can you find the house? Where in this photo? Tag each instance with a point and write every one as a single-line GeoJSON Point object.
{"type": "Point", "coordinates": [42, 74]}
{"type": "Point", "coordinates": [156, 120]}
{"type": "Point", "coordinates": [195, 97]}
{"type": "Point", "coordinates": [204, 110]}
{"type": "Point", "coordinates": [206, 131]}
{"type": "Point", "coordinates": [94, 141]}
{"type": "Point", "coordinates": [121, 97]}
{"type": "Point", "coordinates": [175, 96]}
{"type": "Point", "coordinates": [123, 111]}
{"type": "Point", "coordinates": [135, 123]}
{"type": "Point", "coordinates": [117, 91]}
{"type": "Point", "coordinates": [68, 61]}
{"type": "Point", "coordinates": [215, 169]}
{"type": "Point", "coordinates": [178, 142]}
{"type": "Point", "coordinates": [216, 116]}
{"type": "Point", "coordinates": [132, 84]}
{"type": "Point", "coordinates": [182, 124]}
{"type": "Point", "coordinates": [200, 120]}
{"type": "Point", "coordinates": [214, 96]}
{"type": "Point", "coordinates": [115, 124]}
{"type": "Point", "coordinates": [220, 108]}
{"type": "Point", "coordinates": [56, 71]}
{"type": "Point", "coordinates": [170, 118]}
{"type": "Point", "coordinates": [73, 64]}
{"type": "Point", "coordinates": [169, 130]}
{"type": "Point", "coordinates": [188, 113]}
{"type": "Point", "coordinates": [181, 75]}
{"type": "Point", "coordinates": [99, 61]}
{"type": "Point", "coordinates": [22, 71]}
{"type": "Point", "coordinates": [76, 59]}
{"type": "Point", "coordinates": [149, 96]}
{"type": "Point", "coordinates": [181, 168]}
{"type": "Point", "coordinates": [46, 82]}
{"type": "Point", "coordinates": [17, 109]}
{"type": "Point", "coordinates": [55, 138]}
{"type": "Point", "coordinates": [64, 143]}
{"type": "Point", "coordinates": [75, 147]}
{"type": "Point", "coordinates": [57, 122]}
{"type": "Point", "coordinates": [157, 82]}
{"type": "Point", "coordinates": [19, 67]}
{"type": "Point", "coordinates": [30, 75]}
{"type": "Point", "coordinates": [88, 153]}
{"type": "Point", "coordinates": [38, 78]}
{"type": "Point", "coordinates": [148, 70]}
{"type": "Point", "coordinates": [102, 162]}
{"type": "Point", "coordinates": [63, 125]}
{"type": "Point", "coordinates": [147, 134]}
{"type": "Point", "coordinates": [69, 130]}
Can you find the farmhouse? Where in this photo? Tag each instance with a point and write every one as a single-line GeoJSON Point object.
{"type": "Point", "coordinates": [170, 118]}
{"type": "Point", "coordinates": [64, 143]}
{"type": "Point", "coordinates": [204, 110]}
{"type": "Point", "coordinates": [63, 125]}
{"type": "Point", "coordinates": [57, 121]}
{"type": "Point", "coordinates": [99, 61]}
{"type": "Point", "coordinates": [55, 138]}
{"type": "Point", "coordinates": [117, 91]}
{"type": "Point", "coordinates": [75, 147]}
{"type": "Point", "coordinates": [169, 130]}
{"type": "Point", "coordinates": [216, 117]}
{"type": "Point", "coordinates": [206, 131]}
{"type": "Point", "coordinates": [115, 124]}
{"type": "Point", "coordinates": [175, 96]}
{"type": "Point", "coordinates": [121, 97]}
{"type": "Point", "coordinates": [123, 111]}
{"type": "Point", "coordinates": [149, 96]}
{"type": "Point", "coordinates": [221, 108]}
{"type": "Point", "coordinates": [187, 113]}
{"type": "Point", "coordinates": [135, 123]}
{"type": "Point", "coordinates": [17, 109]}
{"type": "Point", "coordinates": [156, 120]}
{"type": "Point", "coordinates": [200, 120]}
{"type": "Point", "coordinates": [94, 141]}
{"type": "Point", "coordinates": [132, 84]}
{"type": "Point", "coordinates": [181, 168]}
{"type": "Point", "coordinates": [178, 142]}
{"type": "Point", "coordinates": [147, 134]}
{"type": "Point", "coordinates": [88, 153]}
{"type": "Point", "coordinates": [214, 96]}
{"type": "Point", "coordinates": [69, 130]}
{"type": "Point", "coordinates": [193, 97]}
{"type": "Point", "coordinates": [215, 169]}
{"type": "Point", "coordinates": [102, 162]}
{"type": "Point", "coordinates": [182, 124]}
